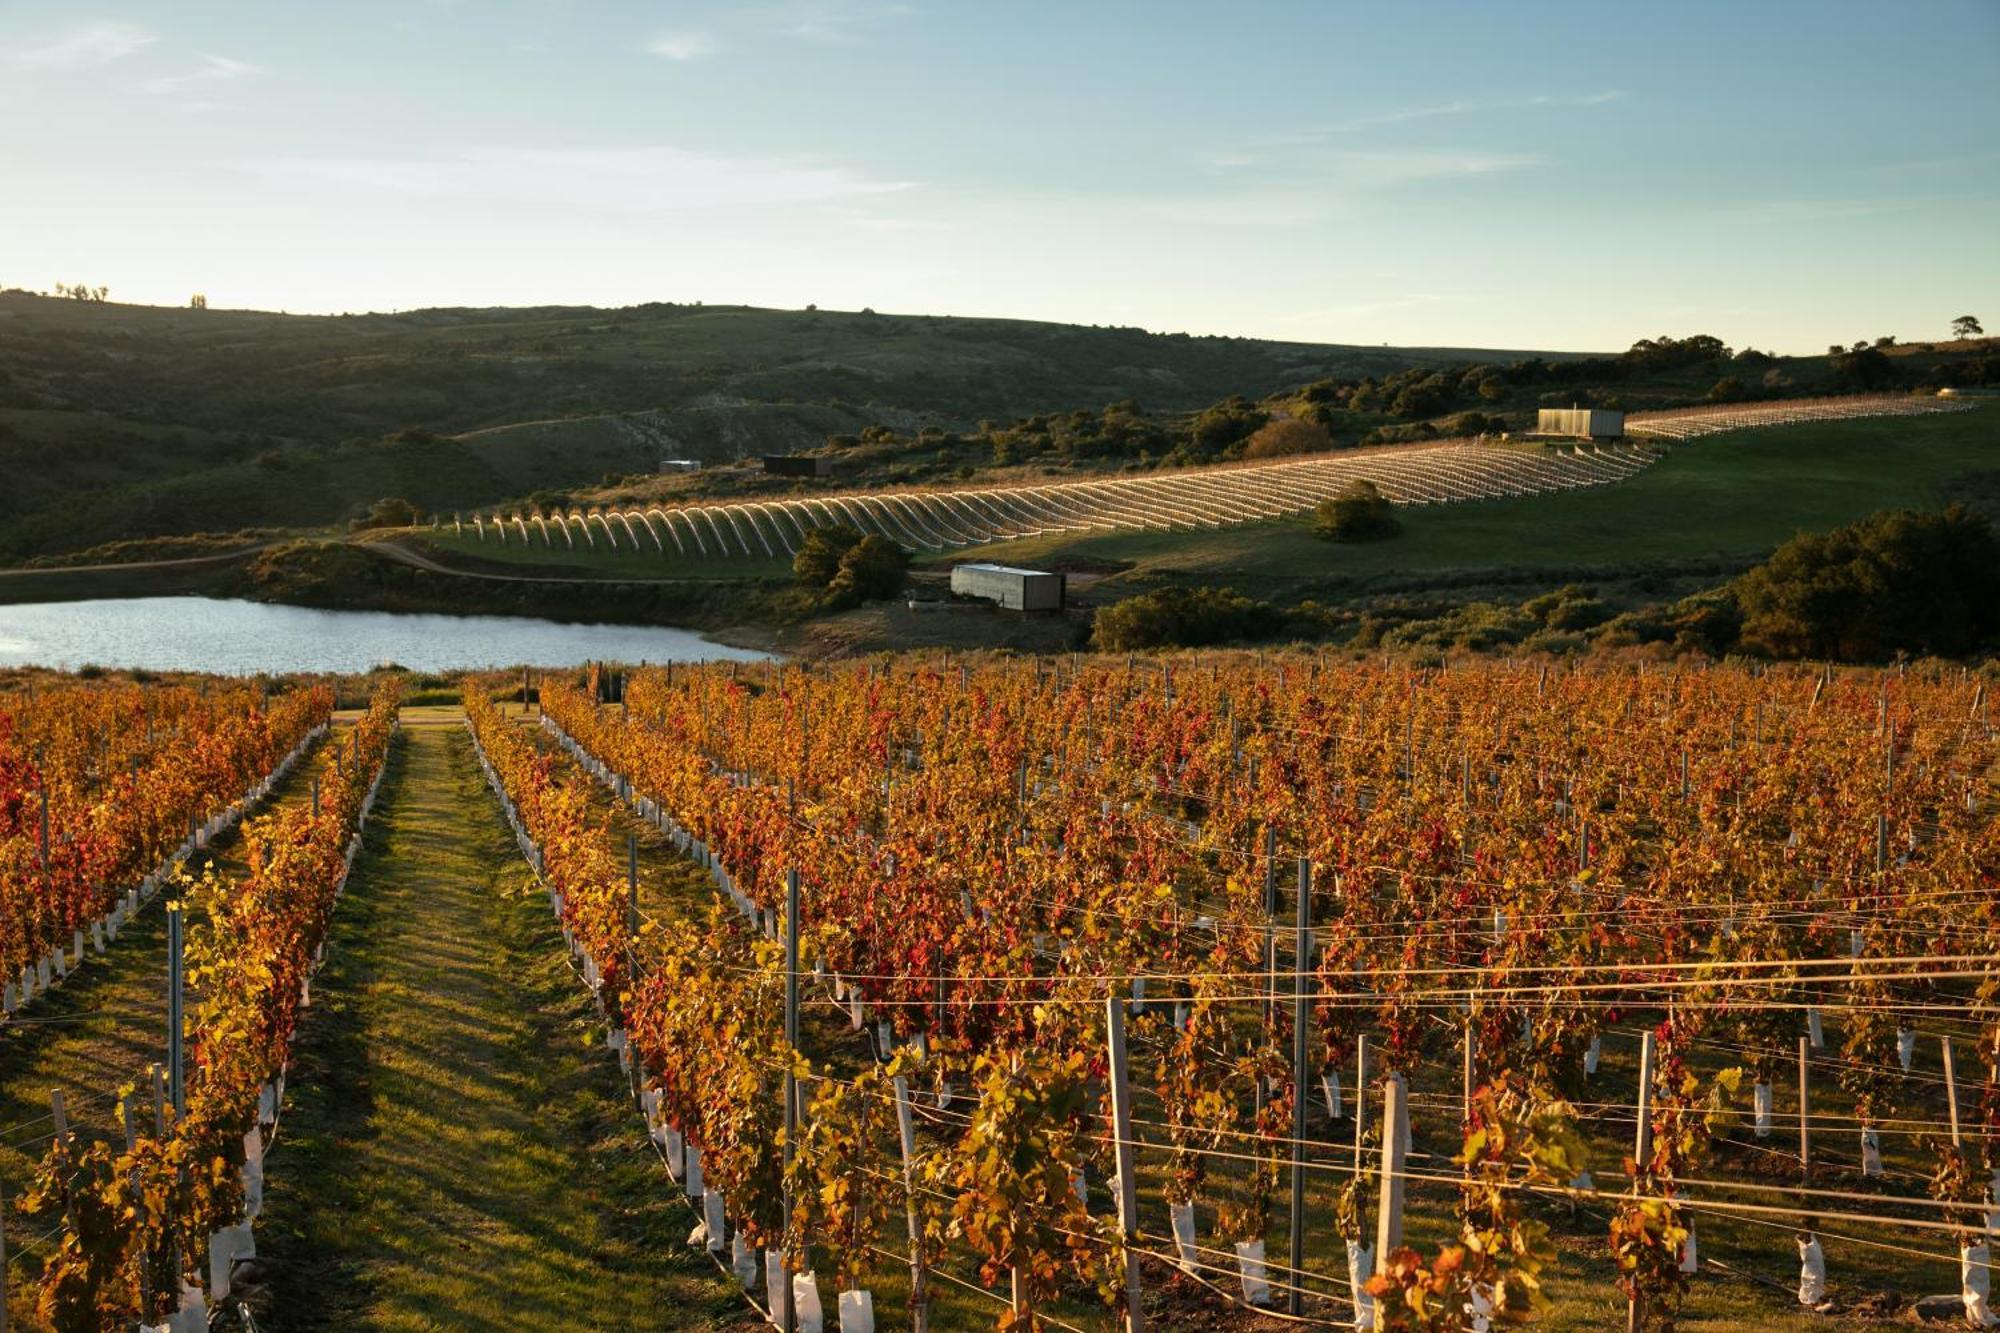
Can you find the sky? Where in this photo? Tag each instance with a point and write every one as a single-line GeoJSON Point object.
{"type": "Point", "coordinates": [1495, 174]}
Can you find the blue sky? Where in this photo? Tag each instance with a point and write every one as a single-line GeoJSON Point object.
{"type": "Point", "coordinates": [1476, 174]}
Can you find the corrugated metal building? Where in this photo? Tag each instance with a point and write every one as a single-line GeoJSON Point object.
{"type": "Point", "coordinates": [1580, 423]}
{"type": "Point", "coordinates": [1014, 589]}
{"type": "Point", "coordinates": [680, 465]}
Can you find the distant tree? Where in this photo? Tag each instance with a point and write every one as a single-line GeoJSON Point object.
{"type": "Point", "coordinates": [1965, 326]}
{"type": "Point", "coordinates": [1863, 368]}
{"type": "Point", "coordinates": [812, 305]}
{"type": "Point", "coordinates": [389, 512]}
{"type": "Point", "coordinates": [198, 302]}
{"type": "Point", "coordinates": [1835, 349]}
{"type": "Point", "coordinates": [1228, 423]}
{"type": "Point", "coordinates": [1886, 340]}
{"type": "Point", "coordinates": [1360, 513]}
{"type": "Point", "coordinates": [872, 568]}
{"type": "Point", "coordinates": [1426, 398]}
{"type": "Point", "coordinates": [1287, 435]}
{"type": "Point", "coordinates": [1899, 581]}
{"type": "Point", "coordinates": [1728, 389]}
{"type": "Point", "coordinates": [820, 554]}
{"type": "Point", "coordinates": [1475, 423]}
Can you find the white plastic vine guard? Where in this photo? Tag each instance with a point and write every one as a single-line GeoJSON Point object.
{"type": "Point", "coordinates": [1361, 1267]}
{"type": "Point", "coordinates": [225, 1247]}
{"type": "Point", "coordinates": [1760, 1098]}
{"type": "Point", "coordinates": [742, 1261]}
{"type": "Point", "coordinates": [857, 1311]}
{"type": "Point", "coordinates": [1812, 1272]}
{"type": "Point", "coordinates": [1975, 1280]}
{"type": "Point", "coordinates": [714, 1225]}
{"type": "Point", "coordinates": [1250, 1264]}
{"type": "Point", "coordinates": [806, 1311]}
{"type": "Point", "coordinates": [1183, 1220]}
{"type": "Point", "coordinates": [1330, 1083]}
{"type": "Point", "coordinates": [774, 1283]}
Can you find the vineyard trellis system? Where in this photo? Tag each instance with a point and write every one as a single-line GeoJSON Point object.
{"type": "Point", "coordinates": [146, 1231]}
{"type": "Point", "coordinates": [1323, 986]}
{"type": "Point", "coordinates": [1752, 877]}
{"type": "Point", "coordinates": [1438, 472]}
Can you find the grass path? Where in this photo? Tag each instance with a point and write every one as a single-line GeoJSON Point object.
{"type": "Point", "coordinates": [458, 1151]}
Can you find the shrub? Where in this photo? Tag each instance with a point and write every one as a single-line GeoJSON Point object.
{"type": "Point", "coordinates": [388, 513]}
{"type": "Point", "coordinates": [848, 567]}
{"type": "Point", "coordinates": [872, 568]}
{"type": "Point", "coordinates": [1285, 436]}
{"type": "Point", "coordinates": [819, 556]}
{"type": "Point", "coordinates": [1361, 513]}
{"type": "Point", "coordinates": [1899, 581]}
{"type": "Point", "coordinates": [1185, 618]}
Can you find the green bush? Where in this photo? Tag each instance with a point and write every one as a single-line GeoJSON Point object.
{"type": "Point", "coordinates": [1361, 513]}
{"type": "Point", "coordinates": [1185, 618]}
{"type": "Point", "coordinates": [1899, 581]}
{"type": "Point", "coordinates": [873, 568]}
{"type": "Point", "coordinates": [849, 568]}
{"type": "Point", "coordinates": [819, 556]}
{"type": "Point", "coordinates": [388, 513]}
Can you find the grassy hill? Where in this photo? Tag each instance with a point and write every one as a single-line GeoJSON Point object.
{"type": "Point", "coordinates": [1722, 501]}
{"type": "Point", "coordinates": [127, 422]}
{"type": "Point", "coordinates": [119, 421]}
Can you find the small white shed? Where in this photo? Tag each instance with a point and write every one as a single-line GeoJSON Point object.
{"type": "Point", "coordinates": [1580, 423]}
{"type": "Point", "coordinates": [1013, 589]}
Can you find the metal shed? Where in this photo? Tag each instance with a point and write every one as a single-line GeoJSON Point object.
{"type": "Point", "coordinates": [1580, 423]}
{"type": "Point", "coordinates": [1013, 589]}
{"type": "Point", "coordinates": [798, 465]}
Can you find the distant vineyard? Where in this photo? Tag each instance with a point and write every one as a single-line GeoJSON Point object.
{"type": "Point", "coordinates": [934, 520]}
{"type": "Point", "coordinates": [1691, 423]}
{"type": "Point", "coordinates": [937, 520]}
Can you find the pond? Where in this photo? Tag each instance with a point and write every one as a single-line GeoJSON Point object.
{"type": "Point", "coordinates": [235, 638]}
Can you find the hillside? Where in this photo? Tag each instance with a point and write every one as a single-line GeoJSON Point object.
{"type": "Point", "coordinates": [118, 420]}
{"type": "Point", "coordinates": [130, 422]}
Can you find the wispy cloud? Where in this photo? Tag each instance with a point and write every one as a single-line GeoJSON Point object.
{"type": "Point", "coordinates": [1312, 190]}
{"type": "Point", "coordinates": [682, 46]}
{"type": "Point", "coordinates": [84, 47]}
{"type": "Point", "coordinates": [834, 22]}
{"type": "Point", "coordinates": [213, 69]}
{"type": "Point", "coordinates": [1282, 146]}
{"type": "Point", "coordinates": [647, 181]}
{"type": "Point", "coordinates": [1465, 107]}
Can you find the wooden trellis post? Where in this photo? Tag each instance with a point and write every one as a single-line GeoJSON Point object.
{"type": "Point", "coordinates": [906, 1138]}
{"type": "Point", "coordinates": [1301, 996]}
{"type": "Point", "coordinates": [1642, 1152]}
{"type": "Point", "coordinates": [1389, 1217]}
{"type": "Point", "coordinates": [1121, 1140]}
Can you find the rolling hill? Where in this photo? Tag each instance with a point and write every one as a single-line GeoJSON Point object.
{"type": "Point", "coordinates": [118, 420]}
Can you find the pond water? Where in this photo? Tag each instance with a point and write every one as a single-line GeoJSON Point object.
{"type": "Point", "coordinates": [240, 638]}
